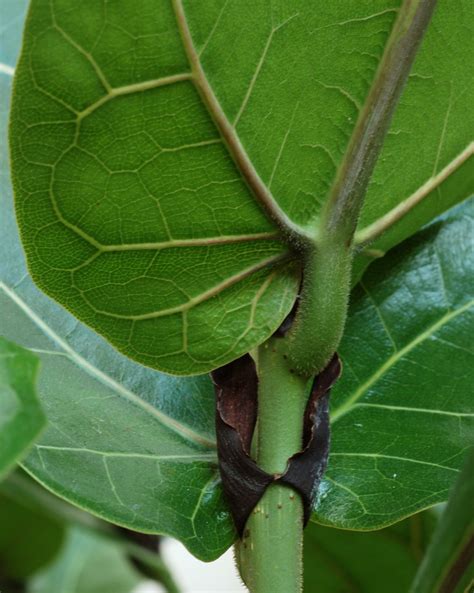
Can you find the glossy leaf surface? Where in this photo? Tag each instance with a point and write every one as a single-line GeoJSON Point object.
{"type": "Point", "coordinates": [138, 217]}
{"type": "Point", "coordinates": [337, 561]}
{"type": "Point", "coordinates": [402, 412]}
{"type": "Point", "coordinates": [21, 417]}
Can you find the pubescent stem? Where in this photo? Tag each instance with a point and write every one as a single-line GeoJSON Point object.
{"type": "Point", "coordinates": [321, 315]}
{"type": "Point", "coordinates": [270, 553]}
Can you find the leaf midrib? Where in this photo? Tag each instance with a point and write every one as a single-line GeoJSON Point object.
{"type": "Point", "coordinates": [173, 425]}
{"type": "Point", "coordinates": [261, 190]}
{"type": "Point", "coordinates": [230, 137]}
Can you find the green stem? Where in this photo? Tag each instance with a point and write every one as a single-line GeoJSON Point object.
{"type": "Point", "coordinates": [321, 316]}
{"type": "Point", "coordinates": [270, 554]}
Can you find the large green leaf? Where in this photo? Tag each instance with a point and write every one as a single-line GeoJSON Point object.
{"type": "Point", "coordinates": [448, 565]}
{"type": "Point", "coordinates": [402, 412]}
{"type": "Point", "coordinates": [101, 403]}
{"type": "Point", "coordinates": [21, 417]}
{"type": "Point", "coordinates": [340, 561]}
{"type": "Point", "coordinates": [148, 466]}
{"type": "Point", "coordinates": [144, 417]}
{"type": "Point", "coordinates": [135, 192]}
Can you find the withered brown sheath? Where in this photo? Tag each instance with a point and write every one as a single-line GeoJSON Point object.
{"type": "Point", "coordinates": [243, 481]}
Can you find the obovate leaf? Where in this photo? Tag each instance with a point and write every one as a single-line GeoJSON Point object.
{"type": "Point", "coordinates": [337, 561]}
{"type": "Point", "coordinates": [100, 403]}
{"type": "Point", "coordinates": [21, 417]}
{"type": "Point", "coordinates": [139, 198]}
{"type": "Point", "coordinates": [402, 413]}
{"type": "Point", "coordinates": [448, 566]}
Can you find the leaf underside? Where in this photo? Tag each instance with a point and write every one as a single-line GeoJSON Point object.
{"type": "Point", "coordinates": [92, 394]}
{"type": "Point", "coordinates": [132, 211]}
{"type": "Point", "coordinates": [105, 410]}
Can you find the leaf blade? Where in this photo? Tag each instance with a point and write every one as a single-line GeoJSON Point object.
{"type": "Point", "coordinates": [21, 416]}
{"type": "Point", "coordinates": [264, 146]}
{"type": "Point", "coordinates": [76, 365]}
{"type": "Point", "coordinates": [339, 560]}
{"type": "Point", "coordinates": [400, 373]}
{"type": "Point", "coordinates": [438, 82]}
{"type": "Point", "coordinates": [234, 283]}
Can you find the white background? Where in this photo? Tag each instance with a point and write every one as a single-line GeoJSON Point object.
{"type": "Point", "coordinates": [194, 576]}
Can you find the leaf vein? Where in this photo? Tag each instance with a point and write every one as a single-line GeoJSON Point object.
{"type": "Point", "coordinates": [348, 404]}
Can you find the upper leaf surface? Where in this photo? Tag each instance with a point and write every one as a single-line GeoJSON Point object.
{"type": "Point", "coordinates": [21, 417]}
{"type": "Point", "coordinates": [402, 413]}
{"type": "Point", "coordinates": [137, 216]}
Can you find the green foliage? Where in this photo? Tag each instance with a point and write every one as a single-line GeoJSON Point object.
{"type": "Point", "coordinates": [136, 141]}
{"type": "Point", "coordinates": [102, 395]}
{"type": "Point", "coordinates": [337, 561]}
{"type": "Point", "coordinates": [115, 454]}
{"type": "Point", "coordinates": [49, 547]}
{"type": "Point", "coordinates": [87, 564]}
{"type": "Point", "coordinates": [29, 537]}
{"type": "Point", "coordinates": [21, 417]}
{"type": "Point", "coordinates": [402, 413]}
{"type": "Point", "coordinates": [449, 561]}
{"type": "Point", "coordinates": [144, 211]}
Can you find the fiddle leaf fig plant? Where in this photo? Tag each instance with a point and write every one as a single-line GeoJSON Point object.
{"type": "Point", "coordinates": [196, 182]}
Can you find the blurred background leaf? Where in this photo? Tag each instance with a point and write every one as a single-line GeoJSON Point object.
{"type": "Point", "coordinates": [384, 561]}
{"type": "Point", "coordinates": [448, 566]}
